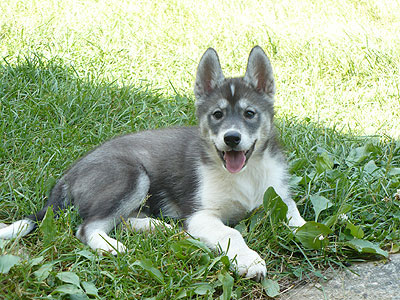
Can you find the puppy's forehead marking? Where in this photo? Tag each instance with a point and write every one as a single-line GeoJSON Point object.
{"type": "Point", "coordinates": [232, 89]}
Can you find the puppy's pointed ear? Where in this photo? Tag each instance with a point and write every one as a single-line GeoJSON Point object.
{"type": "Point", "coordinates": [209, 74]}
{"type": "Point", "coordinates": [259, 72]}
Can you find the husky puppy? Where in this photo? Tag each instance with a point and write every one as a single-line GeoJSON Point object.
{"type": "Point", "coordinates": [208, 175]}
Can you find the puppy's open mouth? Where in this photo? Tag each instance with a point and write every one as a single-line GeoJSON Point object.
{"type": "Point", "coordinates": [234, 161]}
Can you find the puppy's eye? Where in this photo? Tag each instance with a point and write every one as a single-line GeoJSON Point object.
{"type": "Point", "coordinates": [218, 114]}
{"type": "Point", "coordinates": [249, 114]}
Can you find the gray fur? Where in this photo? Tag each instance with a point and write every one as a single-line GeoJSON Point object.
{"type": "Point", "coordinates": [104, 182]}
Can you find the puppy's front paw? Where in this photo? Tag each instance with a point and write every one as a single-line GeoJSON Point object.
{"type": "Point", "coordinates": [257, 271]}
{"type": "Point", "coordinates": [251, 265]}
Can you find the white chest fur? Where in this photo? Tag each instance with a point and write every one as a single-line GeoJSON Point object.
{"type": "Point", "coordinates": [232, 196]}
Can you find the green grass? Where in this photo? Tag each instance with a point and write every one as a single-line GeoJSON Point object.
{"type": "Point", "coordinates": [75, 74]}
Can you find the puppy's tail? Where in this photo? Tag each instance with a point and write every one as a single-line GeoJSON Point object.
{"type": "Point", "coordinates": [58, 200]}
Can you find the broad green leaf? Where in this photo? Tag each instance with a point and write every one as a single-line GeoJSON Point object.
{"type": "Point", "coordinates": [203, 289]}
{"type": "Point", "coordinates": [357, 155]}
{"type": "Point", "coordinates": [178, 249]}
{"type": "Point", "coordinates": [313, 235]}
{"type": "Point", "coordinates": [68, 289]}
{"type": "Point", "coordinates": [271, 287]}
{"type": "Point", "coordinates": [7, 262]}
{"type": "Point", "coordinates": [48, 227]}
{"type": "Point", "coordinates": [255, 220]}
{"type": "Point", "coordinates": [295, 180]}
{"type": "Point", "coordinates": [227, 284]}
{"type": "Point", "coordinates": [355, 230]}
{"type": "Point", "coordinates": [36, 261]}
{"type": "Point", "coordinates": [274, 206]}
{"type": "Point", "coordinates": [320, 203]}
{"type": "Point", "coordinates": [43, 272]}
{"type": "Point", "coordinates": [69, 277]}
{"type": "Point", "coordinates": [370, 167]}
{"type": "Point", "coordinates": [363, 246]}
{"type": "Point", "coordinates": [148, 267]}
{"type": "Point", "coordinates": [323, 163]}
{"type": "Point", "coordinates": [225, 260]}
{"type": "Point", "coordinates": [242, 228]}
{"type": "Point", "coordinates": [90, 288]}
{"type": "Point", "coordinates": [78, 297]}
{"type": "Point", "coordinates": [394, 172]}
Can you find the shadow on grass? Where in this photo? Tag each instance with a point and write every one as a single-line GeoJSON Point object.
{"type": "Point", "coordinates": [50, 117]}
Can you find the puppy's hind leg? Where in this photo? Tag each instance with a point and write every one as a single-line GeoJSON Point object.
{"type": "Point", "coordinates": [95, 235]}
{"type": "Point", "coordinates": [100, 221]}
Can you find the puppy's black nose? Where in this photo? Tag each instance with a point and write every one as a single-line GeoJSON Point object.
{"type": "Point", "coordinates": [232, 138]}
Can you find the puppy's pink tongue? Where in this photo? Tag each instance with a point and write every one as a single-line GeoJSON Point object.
{"type": "Point", "coordinates": [234, 160]}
